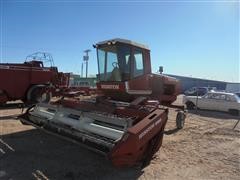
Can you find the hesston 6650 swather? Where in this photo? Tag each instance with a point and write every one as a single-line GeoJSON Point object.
{"type": "Point", "coordinates": [126, 120]}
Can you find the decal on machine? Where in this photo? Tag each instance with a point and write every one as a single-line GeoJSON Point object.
{"type": "Point", "coordinates": [109, 86]}
{"type": "Point", "coordinates": [149, 129]}
{"type": "Point", "coordinates": [4, 67]}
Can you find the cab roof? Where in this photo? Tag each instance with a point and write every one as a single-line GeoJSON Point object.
{"type": "Point", "coordinates": [124, 41]}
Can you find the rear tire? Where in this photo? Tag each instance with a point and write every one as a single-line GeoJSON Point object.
{"type": "Point", "coordinates": [37, 94]}
{"type": "Point", "coordinates": [180, 120]}
{"type": "Point", "coordinates": [234, 112]}
{"type": "Point", "coordinates": [190, 105]}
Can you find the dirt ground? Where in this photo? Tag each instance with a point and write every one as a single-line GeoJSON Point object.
{"type": "Point", "coordinates": [207, 148]}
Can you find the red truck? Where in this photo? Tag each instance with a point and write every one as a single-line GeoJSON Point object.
{"type": "Point", "coordinates": [31, 81]}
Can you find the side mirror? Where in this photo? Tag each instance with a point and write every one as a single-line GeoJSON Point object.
{"type": "Point", "coordinates": [161, 69]}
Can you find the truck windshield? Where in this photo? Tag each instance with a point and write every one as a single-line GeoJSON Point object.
{"type": "Point", "coordinates": [114, 63]}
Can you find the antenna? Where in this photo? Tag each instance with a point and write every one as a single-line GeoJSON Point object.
{"type": "Point", "coordinates": [86, 58]}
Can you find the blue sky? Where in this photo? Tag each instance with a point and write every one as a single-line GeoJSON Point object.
{"type": "Point", "coordinates": [198, 39]}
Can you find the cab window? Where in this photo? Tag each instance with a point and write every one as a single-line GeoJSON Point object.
{"type": "Point", "coordinates": [124, 53]}
{"type": "Point", "coordinates": [138, 69]}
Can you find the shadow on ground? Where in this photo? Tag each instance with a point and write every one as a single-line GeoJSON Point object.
{"type": "Point", "coordinates": [171, 131]}
{"type": "Point", "coordinates": [14, 116]}
{"type": "Point", "coordinates": [213, 114]}
{"type": "Point", "coordinates": [12, 106]}
{"type": "Point", "coordinates": [33, 154]}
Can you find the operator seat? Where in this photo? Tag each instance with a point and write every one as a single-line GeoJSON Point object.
{"type": "Point", "coordinates": [115, 75]}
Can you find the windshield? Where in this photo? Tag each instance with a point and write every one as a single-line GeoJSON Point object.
{"type": "Point", "coordinates": [114, 63]}
{"type": "Point", "coordinates": [237, 98]}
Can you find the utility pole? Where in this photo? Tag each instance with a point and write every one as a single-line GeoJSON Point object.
{"type": "Point", "coordinates": [86, 58]}
{"type": "Point", "coordinates": [196, 110]}
{"type": "Point", "coordinates": [82, 70]}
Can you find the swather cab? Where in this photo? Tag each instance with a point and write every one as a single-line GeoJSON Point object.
{"type": "Point", "coordinates": [125, 73]}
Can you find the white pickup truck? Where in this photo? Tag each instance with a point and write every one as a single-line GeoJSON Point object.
{"type": "Point", "coordinates": [219, 101]}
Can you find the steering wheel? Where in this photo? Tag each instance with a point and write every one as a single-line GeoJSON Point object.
{"type": "Point", "coordinates": [115, 65]}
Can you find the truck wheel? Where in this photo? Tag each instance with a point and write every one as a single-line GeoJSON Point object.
{"type": "Point", "coordinates": [180, 119]}
{"type": "Point", "coordinates": [190, 105]}
{"type": "Point", "coordinates": [234, 112]}
{"type": "Point", "coordinates": [38, 94]}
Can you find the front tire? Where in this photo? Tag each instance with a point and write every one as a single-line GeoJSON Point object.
{"type": "Point", "coordinates": [190, 105]}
